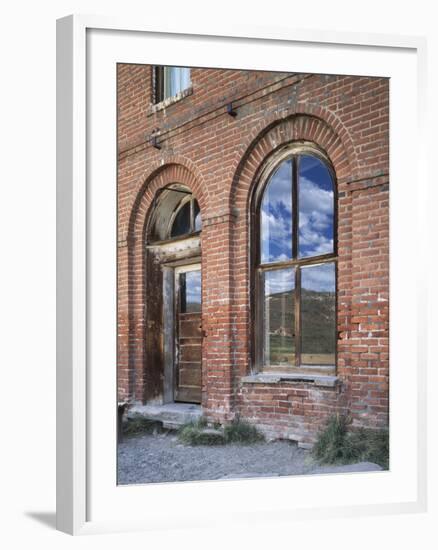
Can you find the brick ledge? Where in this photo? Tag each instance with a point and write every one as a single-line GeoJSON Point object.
{"type": "Point", "coordinates": [316, 379]}
{"type": "Point", "coordinates": [162, 105]}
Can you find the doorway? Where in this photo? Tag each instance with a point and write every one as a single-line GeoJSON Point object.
{"type": "Point", "coordinates": [188, 334]}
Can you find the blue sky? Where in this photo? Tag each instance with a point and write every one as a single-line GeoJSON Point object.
{"type": "Point", "coordinates": [316, 203]}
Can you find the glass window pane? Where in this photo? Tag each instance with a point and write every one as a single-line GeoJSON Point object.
{"type": "Point", "coordinates": [316, 207]}
{"type": "Point", "coordinates": [184, 78]}
{"type": "Point", "coordinates": [176, 79]}
{"type": "Point", "coordinates": [276, 216]}
{"type": "Point", "coordinates": [197, 215]}
{"type": "Point", "coordinates": [279, 318]}
{"type": "Point", "coordinates": [181, 223]}
{"type": "Point", "coordinates": [318, 314]}
{"type": "Point", "coordinates": [190, 292]}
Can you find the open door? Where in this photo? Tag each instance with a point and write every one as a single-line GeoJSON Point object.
{"type": "Point", "coordinates": [188, 328]}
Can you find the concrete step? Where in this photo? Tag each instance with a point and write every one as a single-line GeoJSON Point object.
{"type": "Point", "coordinates": [172, 415]}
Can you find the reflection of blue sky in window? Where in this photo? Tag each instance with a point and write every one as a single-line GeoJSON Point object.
{"type": "Point", "coordinates": [319, 278]}
{"type": "Point", "coordinates": [316, 208]}
{"type": "Point", "coordinates": [276, 216]}
{"type": "Point", "coordinates": [193, 287]}
{"type": "Point", "coordinates": [279, 280]}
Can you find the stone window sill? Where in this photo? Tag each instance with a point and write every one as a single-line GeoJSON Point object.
{"type": "Point", "coordinates": [154, 108]}
{"type": "Point", "coordinates": [322, 380]}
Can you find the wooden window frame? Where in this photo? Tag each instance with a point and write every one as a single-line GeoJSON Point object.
{"type": "Point", "coordinates": [258, 268]}
{"type": "Point", "coordinates": [181, 204]}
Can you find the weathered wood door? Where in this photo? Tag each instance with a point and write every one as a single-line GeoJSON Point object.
{"type": "Point", "coordinates": [188, 328]}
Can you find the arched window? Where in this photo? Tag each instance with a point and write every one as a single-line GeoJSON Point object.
{"type": "Point", "coordinates": [296, 264]}
{"type": "Point", "coordinates": [176, 214]}
{"type": "Point", "coordinates": [186, 219]}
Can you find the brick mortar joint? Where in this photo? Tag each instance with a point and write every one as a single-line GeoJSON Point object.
{"type": "Point", "coordinates": [223, 217]}
{"type": "Point", "coordinates": [296, 79]}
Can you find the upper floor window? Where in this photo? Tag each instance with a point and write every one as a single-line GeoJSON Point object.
{"type": "Point", "coordinates": [296, 265]}
{"type": "Point", "coordinates": [170, 81]}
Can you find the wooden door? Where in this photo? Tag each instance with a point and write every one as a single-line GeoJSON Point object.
{"type": "Point", "coordinates": [188, 360]}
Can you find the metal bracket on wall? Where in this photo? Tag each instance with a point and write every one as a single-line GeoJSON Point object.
{"type": "Point", "coordinates": [230, 110]}
{"type": "Point", "coordinates": [153, 140]}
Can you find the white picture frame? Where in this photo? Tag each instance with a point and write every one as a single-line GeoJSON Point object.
{"type": "Point", "coordinates": [81, 231]}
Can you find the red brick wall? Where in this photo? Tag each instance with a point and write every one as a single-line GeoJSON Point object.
{"type": "Point", "coordinates": [219, 158]}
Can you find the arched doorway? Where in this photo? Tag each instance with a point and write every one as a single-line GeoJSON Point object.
{"type": "Point", "coordinates": [173, 294]}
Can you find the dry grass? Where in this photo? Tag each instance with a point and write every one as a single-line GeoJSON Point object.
{"type": "Point", "coordinates": [198, 433]}
{"type": "Point", "coordinates": [338, 444]}
{"type": "Point", "coordinates": [138, 424]}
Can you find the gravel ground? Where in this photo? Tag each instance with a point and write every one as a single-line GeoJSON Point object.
{"type": "Point", "coordinates": [160, 457]}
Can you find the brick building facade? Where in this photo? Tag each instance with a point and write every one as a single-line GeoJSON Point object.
{"type": "Point", "coordinates": [214, 147]}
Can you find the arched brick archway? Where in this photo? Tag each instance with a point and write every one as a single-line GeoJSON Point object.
{"type": "Point", "coordinates": [316, 125]}
{"type": "Point", "coordinates": [170, 169]}
{"type": "Point", "coordinates": [264, 142]}
{"type": "Point", "coordinates": [136, 377]}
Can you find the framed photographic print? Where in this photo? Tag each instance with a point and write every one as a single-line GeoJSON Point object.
{"type": "Point", "coordinates": [239, 275]}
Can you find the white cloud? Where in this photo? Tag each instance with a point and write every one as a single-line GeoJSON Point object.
{"type": "Point", "coordinates": [314, 198]}
{"type": "Point", "coordinates": [315, 218]}
{"type": "Point", "coordinates": [279, 280]}
{"type": "Point", "coordinates": [319, 277]}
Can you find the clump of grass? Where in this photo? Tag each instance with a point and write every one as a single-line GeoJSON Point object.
{"type": "Point", "coordinates": [329, 447]}
{"type": "Point", "coordinates": [198, 433]}
{"type": "Point", "coordinates": [242, 433]}
{"type": "Point", "coordinates": [191, 435]}
{"type": "Point", "coordinates": [201, 422]}
{"type": "Point", "coordinates": [138, 424]}
{"type": "Point", "coordinates": [371, 445]}
{"type": "Point", "coordinates": [337, 444]}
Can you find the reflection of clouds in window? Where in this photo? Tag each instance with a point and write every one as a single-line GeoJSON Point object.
{"type": "Point", "coordinates": [316, 204]}
{"type": "Point", "coordinates": [276, 216]}
{"type": "Point", "coordinates": [279, 280]}
{"type": "Point", "coordinates": [319, 278]}
{"type": "Point", "coordinates": [194, 294]}
{"type": "Point", "coordinates": [193, 287]}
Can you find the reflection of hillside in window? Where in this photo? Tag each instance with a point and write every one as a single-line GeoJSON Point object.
{"type": "Point", "coordinates": [296, 265]}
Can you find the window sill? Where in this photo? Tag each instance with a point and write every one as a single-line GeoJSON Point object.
{"type": "Point", "coordinates": [322, 380]}
{"type": "Point", "coordinates": [154, 108]}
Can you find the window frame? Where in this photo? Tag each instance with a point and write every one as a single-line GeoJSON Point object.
{"type": "Point", "coordinates": [190, 198]}
{"type": "Point", "coordinates": [159, 83]}
{"type": "Point", "coordinates": [257, 268]}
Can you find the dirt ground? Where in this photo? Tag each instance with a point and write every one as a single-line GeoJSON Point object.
{"type": "Point", "coordinates": [155, 458]}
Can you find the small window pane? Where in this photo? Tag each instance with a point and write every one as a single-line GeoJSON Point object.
{"type": "Point", "coordinates": [181, 224]}
{"type": "Point", "coordinates": [316, 208]}
{"type": "Point", "coordinates": [190, 292]}
{"type": "Point", "coordinates": [176, 79]}
{"type": "Point", "coordinates": [276, 216]}
{"type": "Point", "coordinates": [197, 215]}
{"type": "Point", "coordinates": [279, 318]}
{"type": "Point", "coordinates": [318, 314]}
